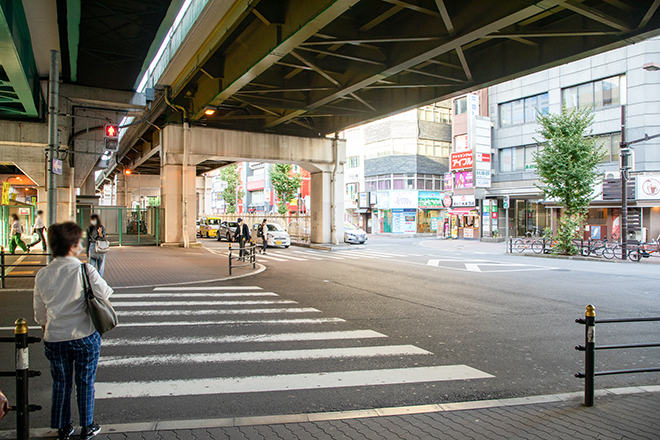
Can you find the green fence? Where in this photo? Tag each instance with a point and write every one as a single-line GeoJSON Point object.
{"type": "Point", "coordinates": [124, 226]}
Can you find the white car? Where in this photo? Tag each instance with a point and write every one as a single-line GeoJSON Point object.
{"type": "Point", "coordinates": [353, 234]}
{"type": "Point", "coordinates": [276, 234]}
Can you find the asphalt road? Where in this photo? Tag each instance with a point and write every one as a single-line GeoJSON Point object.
{"type": "Point", "coordinates": [393, 322]}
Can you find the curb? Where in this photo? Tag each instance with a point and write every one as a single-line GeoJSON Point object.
{"type": "Point", "coordinates": [571, 257]}
{"type": "Point", "coordinates": [343, 415]}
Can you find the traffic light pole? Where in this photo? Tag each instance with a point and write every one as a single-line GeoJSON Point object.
{"type": "Point", "coordinates": [53, 105]}
{"type": "Point", "coordinates": [624, 187]}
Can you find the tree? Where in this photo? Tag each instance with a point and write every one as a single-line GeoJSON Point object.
{"type": "Point", "coordinates": [568, 168]}
{"type": "Point", "coordinates": [285, 184]}
{"type": "Point", "coordinates": [231, 194]}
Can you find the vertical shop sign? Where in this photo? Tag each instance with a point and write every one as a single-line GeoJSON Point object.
{"type": "Point", "coordinates": [449, 181]}
{"type": "Point", "coordinates": [5, 193]}
{"type": "Point", "coordinates": [485, 220]}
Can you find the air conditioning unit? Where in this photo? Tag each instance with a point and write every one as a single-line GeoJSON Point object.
{"type": "Point", "coordinates": [612, 175]}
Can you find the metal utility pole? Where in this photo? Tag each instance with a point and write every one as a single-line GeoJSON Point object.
{"type": "Point", "coordinates": [625, 153]}
{"type": "Point", "coordinates": [53, 105]}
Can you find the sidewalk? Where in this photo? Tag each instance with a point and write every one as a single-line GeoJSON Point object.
{"type": "Point", "coordinates": [622, 413]}
{"type": "Point", "coordinates": [135, 266]}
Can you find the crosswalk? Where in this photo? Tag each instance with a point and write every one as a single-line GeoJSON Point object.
{"type": "Point", "coordinates": [316, 255]}
{"type": "Point", "coordinates": [242, 332]}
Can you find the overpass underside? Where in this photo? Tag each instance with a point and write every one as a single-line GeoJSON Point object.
{"type": "Point", "coordinates": [317, 66]}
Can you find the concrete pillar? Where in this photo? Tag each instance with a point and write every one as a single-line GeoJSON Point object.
{"type": "Point", "coordinates": [120, 190]}
{"type": "Point", "coordinates": [171, 201]}
{"type": "Point", "coordinates": [322, 206]}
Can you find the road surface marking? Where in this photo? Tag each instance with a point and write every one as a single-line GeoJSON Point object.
{"type": "Point", "coordinates": [191, 295]}
{"type": "Point", "coordinates": [270, 257]}
{"type": "Point", "coordinates": [472, 267]}
{"type": "Point", "coordinates": [156, 289]}
{"type": "Point", "coordinates": [254, 321]}
{"type": "Point", "coordinates": [287, 382]}
{"type": "Point", "coordinates": [215, 312]}
{"type": "Point", "coordinates": [270, 337]}
{"type": "Point", "coordinates": [260, 356]}
{"type": "Point", "coordinates": [200, 303]}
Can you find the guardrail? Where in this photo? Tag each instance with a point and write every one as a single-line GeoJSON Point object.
{"type": "Point", "coordinates": [248, 256]}
{"type": "Point", "coordinates": [4, 265]}
{"type": "Point", "coordinates": [590, 347]}
{"type": "Point", "coordinates": [22, 373]}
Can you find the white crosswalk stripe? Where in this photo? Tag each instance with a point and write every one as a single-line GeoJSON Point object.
{"type": "Point", "coordinates": [293, 341]}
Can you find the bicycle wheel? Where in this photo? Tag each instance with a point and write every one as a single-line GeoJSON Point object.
{"type": "Point", "coordinates": [519, 245]}
{"type": "Point", "coordinates": [537, 246]}
{"type": "Point", "coordinates": [635, 255]}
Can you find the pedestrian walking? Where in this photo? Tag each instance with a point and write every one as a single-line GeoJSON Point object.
{"type": "Point", "coordinates": [262, 231]}
{"type": "Point", "coordinates": [15, 233]}
{"type": "Point", "coordinates": [242, 234]}
{"type": "Point", "coordinates": [71, 342]}
{"type": "Point", "coordinates": [39, 229]}
{"type": "Point", "coordinates": [95, 233]}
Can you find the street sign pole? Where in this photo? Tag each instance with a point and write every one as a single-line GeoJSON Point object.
{"type": "Point", "coordinates": [53, 105]}
{"type": "Point", "coordinates": [506, 226]}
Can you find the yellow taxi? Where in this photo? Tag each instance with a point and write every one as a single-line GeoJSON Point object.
{"type": "Point", "coordinates": [208, 226]}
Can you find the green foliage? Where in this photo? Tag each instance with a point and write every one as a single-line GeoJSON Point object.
{"type": "Point", "coordinates": [230, 194]}
{"type": "Point", "coordinates": [568, 229]}
{"type": "Point", "coordinates": [547, 233]}
{"type": "Point", "coordinates": [567, 167]}
{"type": "Point", "coordinates": [285, 184]}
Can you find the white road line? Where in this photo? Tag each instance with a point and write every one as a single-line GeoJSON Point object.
{"type": "Point", "coordinates": [156, 289]}
{"type": "Point", "coordinates": [191, 295]}
{"type": "Point", "coordinates": [260, 356]}
{"type": "Point", "coordinates": [270, 257]}
{"type": "Point", "coordinates": [287, 382]}
{"type": "Point", "coordinates": [253, 321]}
{"type": "Point", "coordinates": [270, 337]}
{"type": "Point", "coordinates": [281, 255]}
{"type": "Point", "coordinates": [308, 255]}
{"type": "Point", "coordinates": [200, 303]}
{"type": "Point", "coordinates": [472, 267]}
{"type": "Point", "coordinates": [215, 312]}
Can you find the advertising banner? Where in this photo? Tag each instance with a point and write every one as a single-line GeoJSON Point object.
{"type": "Point", "coordinates": [5, 192]}
{"type": "Point", "coordinates": [461, 143]}
{"type": "Point", "coordinates": [430, 200]}
{"type": "Point", "coordinates": [467, 200]}
{"type": "Point", "coordinates": [404, 221]}
{"type": "Point", "coordinates": [461, 161]}
{"type": "Point", "coordinates": [464, 179]}
{"type": "Point", "coordinates": [449, 181]}
{"type": "Point", "coordinates": [364, 200]}
{"type": "Point", "coordinates": [383, 200]}
{"type": "Point", "coordinates": [403, 199]}
{"type": "Point", "coordinates": [482, 179]}
{"type": "Point", "coordinates": [648, 187]}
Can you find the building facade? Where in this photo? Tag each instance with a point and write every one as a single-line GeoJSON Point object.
{"type": "Point", "coordinates": [607, 83]}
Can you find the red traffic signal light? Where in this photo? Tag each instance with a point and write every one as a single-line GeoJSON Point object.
{"type": "Point", "coordinates": [111, 131]}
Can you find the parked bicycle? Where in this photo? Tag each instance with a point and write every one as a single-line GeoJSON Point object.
{"type": "Point", "coordinates": [615, 251]}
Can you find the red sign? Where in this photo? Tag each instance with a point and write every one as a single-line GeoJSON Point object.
{"type": "Point", "coordinates": [494, 214]}
{"type": "Point", "coordinates": [461, 161]}
{"type": "Point", "coordinates": [446, 201]}
{"type": "Point", "coordinates": [483, 157]}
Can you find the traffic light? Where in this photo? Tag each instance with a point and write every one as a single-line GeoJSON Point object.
{"type": "Point", "coordinates": [111, 137]}
{"type": "Point", "coordinates": [111, 131]}
{"type": "Point", "coordinates": [506, 202]}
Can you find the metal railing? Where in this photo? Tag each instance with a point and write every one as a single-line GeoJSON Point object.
{"type": "Point", "coordinates": [590, 347]}
{"type": "Point", "coordinates": [22, 373]}
{"type": "Point", "coordinates": [247, 255]}
{"type": "Point", "coordinates": [4, 265]}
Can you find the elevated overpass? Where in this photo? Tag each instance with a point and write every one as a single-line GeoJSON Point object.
{"type": "Point", "coordinates": [313, 68]}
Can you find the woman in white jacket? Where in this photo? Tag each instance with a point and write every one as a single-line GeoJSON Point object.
{"type": "Point", "coordinates": [72, 344]}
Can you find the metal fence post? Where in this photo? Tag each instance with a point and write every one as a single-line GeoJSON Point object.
{"type": "Point", "coordinates": [2, 267]}
{"type": "Point", "coordinates": [589, 344]}
{"type": "Point", "coordinates": [230, 259]}
{"type": "Point", "coordinates": [22, 367]}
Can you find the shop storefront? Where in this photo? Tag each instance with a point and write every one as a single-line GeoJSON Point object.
{"type": "Point", "coordinates": [464, 219]}
{"type": "Point", "coordinates": [430, 213]}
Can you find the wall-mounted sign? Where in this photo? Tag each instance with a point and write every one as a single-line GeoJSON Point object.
{"type": "Point", "coordinates": [23, 211]}
{"type": "Point", "coordinates": [430, 200]}
{"type": "Point", "coordinates": [466, 200]}
{"type": "Point", "coordinates": [449, 181]}
{"type": "Point", "coordinates": [482, 179]}
{"type": "Point", "coordinates": [447, 201]}
{"type": "Point", "coordinates": [363, 200]}
{"type": "Point", "coordinates": [5, 192]}
{"type": "Point", "coordinates": [461, 143]}
{"type": "Point", "coordinates": [383, 200]}
{"type": "Point", "coordinates": [464, 179]}
{"type": "Point", "coordinates": [648, 187]}
{"type": "Point", "coordinates": [403, 199]}
{"type": "Point", "coordinates": [57, 166]}
{"type": "Point", "coordinates": [483, 157]}
{"type": "Point", "coordinates": [461, 161]}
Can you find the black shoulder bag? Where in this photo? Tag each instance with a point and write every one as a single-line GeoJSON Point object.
{"type": "Point", "coordinates": [103, 315]}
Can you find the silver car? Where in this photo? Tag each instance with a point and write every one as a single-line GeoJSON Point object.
{"type": "Point", "coordinates": [276, 234]}
{"type": "Point", "coordinates": [353, 234]}
{"type": "Point", "coordinates": [226, 230]}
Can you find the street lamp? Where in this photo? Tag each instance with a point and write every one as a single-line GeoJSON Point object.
{"type": "Point", "coordinates": [128, 172]}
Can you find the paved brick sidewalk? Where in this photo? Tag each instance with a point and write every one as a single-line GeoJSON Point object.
{"type": "Point", "coordinates": [129, 266]}
{"type": "Point", "coordinates": [624, 413]}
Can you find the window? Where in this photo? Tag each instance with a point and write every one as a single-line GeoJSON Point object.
{"type": "Point", "coordinates": [385, 182]}
{"type": "Point", "coordinates": [431, 148]}
{"type": "Point", "coordinates": [505, 160]}
{"type": "Point", "coordinates": [353, 161]}
{"type": "Point", "coordinates": [371, 183]}
{"type": "Point", "coordinates": [398, 182]}
{"type": "Point", "coordinates": [530, 151]}
{"type": "Point", "coordinates": [519, 159]}
{"type": "Point", "coordinates": [460, 106]}
{"type": "Point", "coordinates": [596, 94]}
{"type": "Point", "coordinates": [433, 113]}
{"type": "Point", "coordinates": [258, 197]}
{"type": "Point", "coordinates": [609, 146]}
{"type": "Point", "coordinates": [523, 110]}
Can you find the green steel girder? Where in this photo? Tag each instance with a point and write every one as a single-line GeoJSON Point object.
{"type": "Point", "coordinates": [19, 81]}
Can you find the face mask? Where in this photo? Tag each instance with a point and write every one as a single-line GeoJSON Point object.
{"type": "Point", "coordinates": [93, 222]}
{"type": "Point", "coordinates": [78, 249]}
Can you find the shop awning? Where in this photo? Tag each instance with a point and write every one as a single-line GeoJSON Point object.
{"type": "Point", "coordinates": [464, 211]}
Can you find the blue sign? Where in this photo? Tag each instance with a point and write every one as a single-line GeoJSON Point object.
{"type": "Point", "coordinates": [57, 166]}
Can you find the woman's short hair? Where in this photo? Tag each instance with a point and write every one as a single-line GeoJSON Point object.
{"type": "Point", "coordinates": [14, 216]}
{"type": "Point", "coordinates": [62, 237]}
